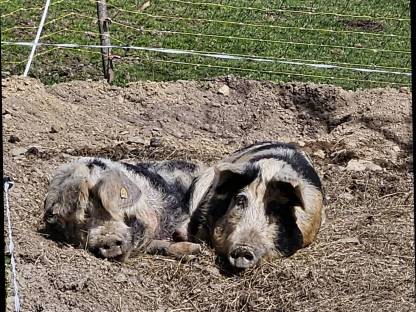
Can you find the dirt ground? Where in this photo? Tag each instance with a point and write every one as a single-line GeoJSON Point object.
{"type": "Point", "coordinates": [363, 259]}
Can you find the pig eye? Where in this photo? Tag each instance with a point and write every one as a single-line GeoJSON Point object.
{"type": "Point", "coordinates": [241, 201]}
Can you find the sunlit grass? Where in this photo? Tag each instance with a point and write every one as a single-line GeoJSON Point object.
{"type": "Point", "coordinates": [361, 34]}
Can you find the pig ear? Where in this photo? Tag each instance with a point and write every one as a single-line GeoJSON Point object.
{"type": "Point", "coordinates": [286, 192]}
{"type": "Point", "coordinates": [289, 237]}
{"type": "Point", "coordinates": [281, 198]}
{"type": "Point", "coordinates": [67, 200]}
{"type": "Point", "coordinates": [116, 192]}
{"type": "Point", "coordinates": [229, 177]}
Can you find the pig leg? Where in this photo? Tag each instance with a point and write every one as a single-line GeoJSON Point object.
{"type": "Point", "coordinates": [177, 250]}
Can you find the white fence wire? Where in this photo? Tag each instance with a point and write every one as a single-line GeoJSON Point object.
{"type": "Point", "coordinates": [253, 58]}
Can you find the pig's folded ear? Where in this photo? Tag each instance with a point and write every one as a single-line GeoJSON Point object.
{"type": "Point", "coordinates": [285, 192]}
{"type": "Point", "coordinates": [289, 237]}
{"type": "Point", "coordinates": [297, 207]}
{"type": "Point", "coordinates": [281, 199]}
{"type": "Point", "coordinates": [116, 192]}
{"type": "Point", "coordinates": [67, 196]}
{"type": "Point", "coordinates": [228, 177]}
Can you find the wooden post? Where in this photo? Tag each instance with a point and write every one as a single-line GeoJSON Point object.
{"type": "Point", "coordinates": [104, 28]}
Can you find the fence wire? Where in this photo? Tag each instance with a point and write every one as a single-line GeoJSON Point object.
{"type": "Point", "coordinates": [352, 44]}
{"type": "Point", "coordinates": [7, 185]}
{"type": "Point", "coordinates": [273, 10]}
{"type": "Point", "coordinates": [34, 46]}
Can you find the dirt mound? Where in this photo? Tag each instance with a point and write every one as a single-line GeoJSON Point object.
{"type": "Point", "coordinates": [360, 142]}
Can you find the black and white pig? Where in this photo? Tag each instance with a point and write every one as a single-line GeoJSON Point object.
{"type": "Point", "coordinates": [262, 199]}
{"type": "Point", "coordinates": [113, 208]}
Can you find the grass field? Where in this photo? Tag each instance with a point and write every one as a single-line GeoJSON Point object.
{"type": "Point", "coordinates": [362, 34]}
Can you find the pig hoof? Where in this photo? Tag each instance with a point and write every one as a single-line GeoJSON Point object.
{"type": "Point", "coordinates": [159, 247]}
{"type": "Point", "coordinates": [184, 249]}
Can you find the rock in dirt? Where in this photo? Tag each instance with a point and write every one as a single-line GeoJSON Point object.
{"type": "Point", "coordinates": [13, 139]}
{"type": "Point", "coordinates": [10, 301]}
{"type": "Point", "coordinates": [224, 90]}
{"type": "Point", "coordinates": [137, 140]}
{"type": "Point", "coordinates": [349, 240]}
{"type": "Point", "coordinates": [343, 155]}
{"type": "Point", "coordinates": [120, 278]}
{"type": "Point", "coordinates": [396, 148]}
{"type": "Point", "coordinates": [320, 154]}
{"type": "Point", "coordinates": [18, 151]}
{"type": "Point", "coordinates": [34, 150]}
{"type": "Point", "coordinates": [362, 165]}
{"type": "Point", "coordinates": [154, 142]}
{"type": "Point", "coordinates": [53, 130]}
{"type": "Point", "coordinates": [346, 196]}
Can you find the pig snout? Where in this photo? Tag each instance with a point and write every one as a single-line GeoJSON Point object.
{"type": "Point", "coordinates": [112, 249]}
{"type": "Point", "coordinates": [242, 257]}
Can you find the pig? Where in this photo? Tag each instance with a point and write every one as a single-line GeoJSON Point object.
{"type": "Point", "coordinates": [264, 199]}
{"type": "Point", "coordinates": [113, 208]}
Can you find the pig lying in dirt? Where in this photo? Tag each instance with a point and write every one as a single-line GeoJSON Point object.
{"type": "Point", "coordinates": [112, 208]}
{"type": "Point", "coordinates": [264, 198]}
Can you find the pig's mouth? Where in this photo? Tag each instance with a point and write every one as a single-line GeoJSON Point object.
{"type": "Point", "coordinates": [114, 256]}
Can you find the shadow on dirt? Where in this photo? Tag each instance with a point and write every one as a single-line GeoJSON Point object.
{"type": "Point", "coordinates": [316, 103]}
{"type": "Point", "coordinates": [161, 151]}
{"type": "Point", "coordinates": [377, 125]}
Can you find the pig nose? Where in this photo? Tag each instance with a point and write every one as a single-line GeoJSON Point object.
{"type": "Point", "coordinates": [112, 250]}
{"type": "Point", "coordinates": [242, 257]}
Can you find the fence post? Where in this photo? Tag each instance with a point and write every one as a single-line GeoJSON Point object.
{"type": "Point", "coordinates": [103, 26]}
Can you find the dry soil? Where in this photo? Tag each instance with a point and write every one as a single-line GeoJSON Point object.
{"type": "Point", "coordinates": [363, 259]}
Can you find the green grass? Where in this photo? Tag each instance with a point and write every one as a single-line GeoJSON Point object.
{"type": "Point", "coordinates": [205, 27]}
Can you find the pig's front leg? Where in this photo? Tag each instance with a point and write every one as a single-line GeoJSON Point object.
{"type": "Point", "coordinates": [177, 250]}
